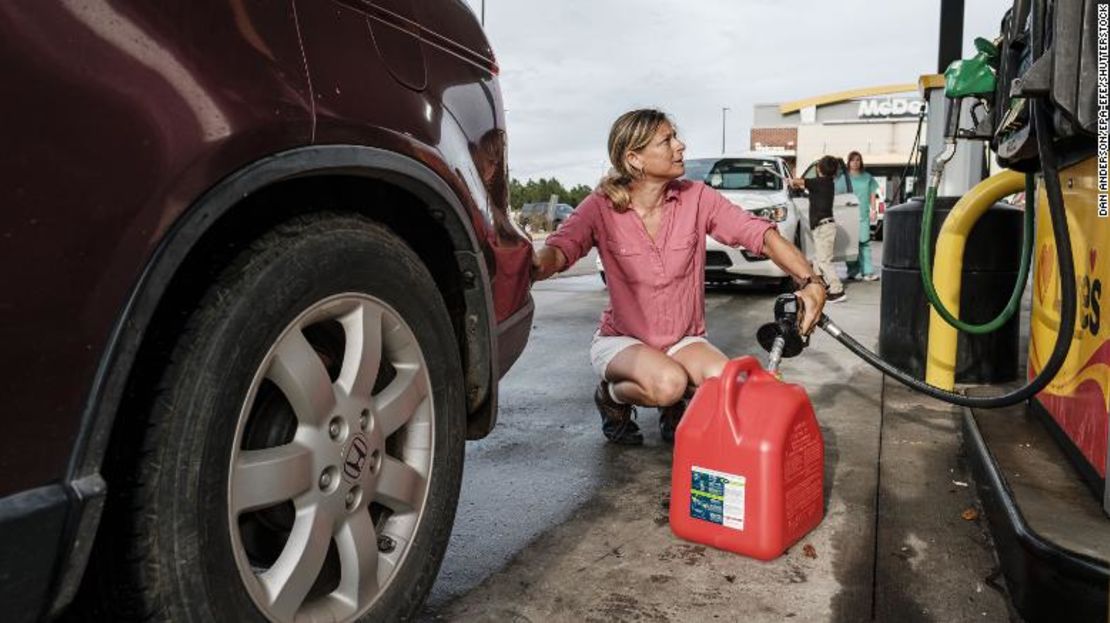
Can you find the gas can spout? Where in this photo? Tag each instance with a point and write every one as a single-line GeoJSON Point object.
{"type": "Point", "coordinates": [775, 358]}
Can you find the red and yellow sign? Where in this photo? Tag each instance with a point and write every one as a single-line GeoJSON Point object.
{"type": "Point", "coordinates": [1079, 397]}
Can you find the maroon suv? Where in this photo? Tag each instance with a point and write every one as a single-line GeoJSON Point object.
{"type": "Point", "coordinates": [259, 285]}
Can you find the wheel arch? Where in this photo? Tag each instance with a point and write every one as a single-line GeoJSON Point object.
{"type": "Point", "coordinates": [426, 214]}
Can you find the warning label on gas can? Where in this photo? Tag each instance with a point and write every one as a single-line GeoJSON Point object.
{"type": "Point", "coordinates": [717, 497]}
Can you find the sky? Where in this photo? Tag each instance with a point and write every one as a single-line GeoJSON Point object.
{"type": "Point", "coordinates": [570, 67]}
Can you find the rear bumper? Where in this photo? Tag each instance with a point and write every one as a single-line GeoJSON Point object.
{"type": "Point", "coordinates": [46, 535]}
{"type": "Point", "coordinates": [32, 524]}
{"type": "Point", "coordinates": [512, 336]}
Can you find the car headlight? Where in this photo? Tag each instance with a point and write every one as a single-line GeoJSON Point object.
{"type": "Point", "coordinates": [776, 213]}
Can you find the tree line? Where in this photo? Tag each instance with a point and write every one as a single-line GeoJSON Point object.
{"type": "Point", "coordinates": [540, 190]}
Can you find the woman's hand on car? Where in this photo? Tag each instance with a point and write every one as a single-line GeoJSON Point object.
{"type": "Point", "coordinates": [537, 266]}
{"type": "Point", "coordinates": [546, 262]}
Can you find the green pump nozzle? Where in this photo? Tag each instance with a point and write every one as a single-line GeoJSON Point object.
{"type": "Point", "coordinates": [971, 77]}
{"type": "Point", "coordinates": [975, 76]}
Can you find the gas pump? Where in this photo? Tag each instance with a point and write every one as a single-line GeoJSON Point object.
{"type": "Point", "coordinates": [1031, 95]}
{"type": "Point", "coordinates": [1035, 97]}
{"type": "Point", "coordinates": [1043, 117]}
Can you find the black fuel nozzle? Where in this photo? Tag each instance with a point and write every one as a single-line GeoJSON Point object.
{"type": "Point", "coordinates": [783, 337]}
{"type": "Point", "coordinates": [953, 107]}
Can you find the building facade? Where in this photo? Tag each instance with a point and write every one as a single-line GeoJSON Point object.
{"type": "Point", "coordinates": [880, 122]}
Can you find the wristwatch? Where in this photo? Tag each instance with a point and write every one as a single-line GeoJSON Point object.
{"type": "Point", "coordinates": [814, 278]}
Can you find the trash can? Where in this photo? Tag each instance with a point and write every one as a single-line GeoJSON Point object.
{"type": "Point", "coordinates": [991, 260]}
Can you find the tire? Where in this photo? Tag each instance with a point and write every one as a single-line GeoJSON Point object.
{"type": "Point", "coordinates": [878, 234]}
{"type": "Point", "coordinates": [371, 478]}
{"type": "Point", "coordinates": [601, 273]}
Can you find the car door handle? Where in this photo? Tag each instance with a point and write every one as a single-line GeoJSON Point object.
{"type": "Point", "coordinates": [852, 203]}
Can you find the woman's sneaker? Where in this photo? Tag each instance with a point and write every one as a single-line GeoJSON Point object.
{"type": "Point", "coordinates": [669, 417]}
{"type": "Point", "coordinates": [871, 277]}
{"type": "Point", "coordinates": [839, 297]}
{"type": "Point", "coordinates": [617, 420]}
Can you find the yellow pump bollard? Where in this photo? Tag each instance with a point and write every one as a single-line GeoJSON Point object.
{"type": "Point", "coordinates": [940, 367]}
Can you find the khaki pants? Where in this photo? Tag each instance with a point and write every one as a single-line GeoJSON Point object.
{"type": "Point", "coordinates": [824, 238]}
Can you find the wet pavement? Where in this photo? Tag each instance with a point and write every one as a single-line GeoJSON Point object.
{"type": "Point", "coordinates": [554, 524]}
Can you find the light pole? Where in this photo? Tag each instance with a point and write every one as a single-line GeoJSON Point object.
{"type": "Point", "coordinates": [483, 13]}
{"type": "Point", "coordinates": [724, 110]}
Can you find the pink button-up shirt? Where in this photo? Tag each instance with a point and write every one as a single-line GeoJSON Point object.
{"type": "Point", "coordinates": [657, 288]}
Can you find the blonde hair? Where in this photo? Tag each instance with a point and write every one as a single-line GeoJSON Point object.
{"type": "Point", "coordinates": [632, 131]}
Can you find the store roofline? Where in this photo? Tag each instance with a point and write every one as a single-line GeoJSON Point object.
{"type": "Point", "coordinates": [840, 96]}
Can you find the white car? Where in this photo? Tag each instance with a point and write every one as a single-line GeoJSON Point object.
{"type": "Point", "coordinates": [757, 183]}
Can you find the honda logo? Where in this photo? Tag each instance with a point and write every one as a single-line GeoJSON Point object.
{"type": "Point", "coordinates": [355, 459]}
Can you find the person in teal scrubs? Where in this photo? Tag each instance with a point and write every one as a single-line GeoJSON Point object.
{"type": "Point", "coordinates": [864, 186]}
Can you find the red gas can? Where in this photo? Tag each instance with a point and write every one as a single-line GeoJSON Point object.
{"type": "Point", "coordinates": [749, 463]}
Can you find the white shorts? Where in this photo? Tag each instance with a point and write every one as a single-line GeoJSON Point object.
{"type": "Point", "coordinates": [605, 347]}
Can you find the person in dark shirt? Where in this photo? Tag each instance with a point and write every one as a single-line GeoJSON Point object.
{"type": "Point", "coordinates": [821, 190]}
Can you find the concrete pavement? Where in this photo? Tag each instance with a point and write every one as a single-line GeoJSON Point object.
{"type": "Point", "coordinates": [554, 524]}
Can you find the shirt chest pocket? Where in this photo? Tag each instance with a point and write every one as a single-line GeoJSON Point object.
{"type": "Point", "coordinates": [680, 255]}
{"type": "Point", "coordinates": [633, 262]}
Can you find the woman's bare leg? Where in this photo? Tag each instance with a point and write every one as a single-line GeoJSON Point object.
{"type": "Point", "coordinates": [643, 376]}
{"type": "Point", "coordinates": [700, 360]}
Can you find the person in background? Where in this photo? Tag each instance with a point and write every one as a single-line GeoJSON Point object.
{"type": "Point", "coordinates": [649, 227]}
{"type": "Point", "coordinates": [821, 190]}
{"type": "Point", "coordinates": [864, 186]}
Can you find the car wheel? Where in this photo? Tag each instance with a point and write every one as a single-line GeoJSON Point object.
{"type": "Point", "coordinates": [878, 234]}
{"type": "Point", "coordinates": [304, 452]}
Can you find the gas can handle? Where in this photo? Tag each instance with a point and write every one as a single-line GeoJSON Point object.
{"type": "Point", "coordinates": [730, 385]}
{"type": "Point", "coordinates": [732, 370]}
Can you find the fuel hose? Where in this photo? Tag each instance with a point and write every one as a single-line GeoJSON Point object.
{"type": "Point", "coordinates": [1014, 302]}
{"type": "Point", "coordinates": [1042, 126]}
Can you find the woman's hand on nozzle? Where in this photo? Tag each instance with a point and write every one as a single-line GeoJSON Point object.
{"type": "Point", "coordinates": [813, 298]}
